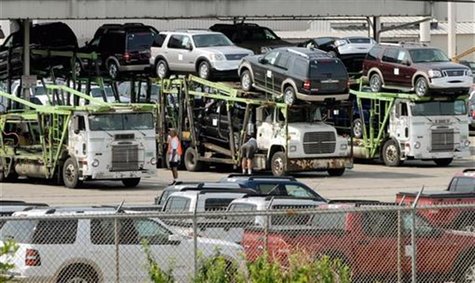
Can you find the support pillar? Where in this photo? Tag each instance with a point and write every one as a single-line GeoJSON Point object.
{"type": "Point", "coordinates": [452, 32]}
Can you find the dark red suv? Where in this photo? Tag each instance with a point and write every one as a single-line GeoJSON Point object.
{"type": "Point", "coordinates": [415, 67]}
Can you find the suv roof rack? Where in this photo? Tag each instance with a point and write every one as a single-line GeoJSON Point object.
{"type": "Point", "coordinates": [223, 190]}
{"type": "Point", "coordinates": [256, 177]}
{"type": "Point", "coordinates": [297, 52]}
{"type": "Point", "coordinates": [420, 44]}
{"type": "Point", "coordinates": [225, 186]}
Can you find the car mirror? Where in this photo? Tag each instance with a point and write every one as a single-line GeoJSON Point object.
{"type": "Point", "coordinates": [406, 62]}
{"type": "Point", "coordinates": [174, 238]}
{"type": "Point", "coordinates": [188, 46]}
{"type": "Point", "coordinates": [263, 60]}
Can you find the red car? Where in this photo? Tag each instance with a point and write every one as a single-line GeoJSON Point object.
{"type": "Point", "coordinates": [415, 67]}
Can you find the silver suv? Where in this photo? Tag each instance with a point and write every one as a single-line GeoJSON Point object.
{"type": "Point", "coordinates": [203, 52]}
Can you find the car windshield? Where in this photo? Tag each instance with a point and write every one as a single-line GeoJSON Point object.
{"type": "Point", "coordinates": [426, 55]}
{"type": "Point", "coordinates": [441, 108]}
{"type": "Point", "coordinates": [120, 122]}
{"type": "Point", "coordinates": [97, 92]}
{"type": "Point", "coordinates": [213, 39]}
{"type": "Point", "coordinates": [323, 67]}
{"type": "Point", "coordinates": [140, 40]}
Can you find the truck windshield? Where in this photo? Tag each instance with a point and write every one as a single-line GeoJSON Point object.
{"type": "Point", "coordinates": [439, 108]}
{"type": "Point", "coordinates": [121, 122]}
{"type": "Point", "coordinates": [303, 114]}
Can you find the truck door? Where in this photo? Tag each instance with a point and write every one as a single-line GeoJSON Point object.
{"type": "Point", "coordinates": [264, 123]}
{"type": "Point", "coordinates": [78, 136]}
{"type": "Point", "coordinates": [399, 124]}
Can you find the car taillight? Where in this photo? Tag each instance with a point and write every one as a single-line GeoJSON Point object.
{"type": "Point", "coordinates": [127, 57]}
{"type": "Point", "coordinates": [32, 258]}
{"type": "Point", "coordinates": [473, 113]}
{"type": "Point", "coordinates": [307, 85]}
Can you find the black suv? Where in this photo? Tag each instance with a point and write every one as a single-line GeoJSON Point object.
{"type": "Point", "coordinates": [295, 73]}
{"type": "Point", "coordinates": [121, 48]}
{"type": "Point", "coordinates": [56, 36]}
{"type": "Point", "coordinates": [251, 36]}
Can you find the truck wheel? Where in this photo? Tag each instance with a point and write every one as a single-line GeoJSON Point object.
{"type": "Point", "coordinates": [113, 70]}
{"type": "Point", "coordinates": [191, 160]}
{"type": "Point", "coordinates": [12, 176]}
{"type": "Point", "coordinates": [131, 183]}
{"type": "Point", "coordinates": [391, 154]}
{"type": "Point", "coordinates": [161, 69]}
{"type": "Point", "coordinates": [246, 80]}
{"type": "Point", "coordinates": [443, 162]}
{"type": "Point", "coordinates": [71, 173]}
{"type": "Point", "coordinates": [358, 128]}
{"type": "Point", "coordinates": [421, 87]}
{"type": "Point", "coordinates": [376, 83]}
{"type": "Point", "coordinates": [78, 274]}
{"type": "Point", "coordinates": [204, 70]}
{"type": "Point", "coordinates": [289, 95]}
{"type": "Point", "coordinates": [279, 164]}
{"type": "Point", "coordinates": [336, 172]}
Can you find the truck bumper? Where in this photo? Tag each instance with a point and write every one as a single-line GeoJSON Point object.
{"type": "Point", "coordinates": [310, 164]}
{"type": "Point", "coordinates": [120, 175]}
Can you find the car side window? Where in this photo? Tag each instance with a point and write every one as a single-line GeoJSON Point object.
{"type": "Point", "coordinates": [402, 56]}
{"type": "Point", "coordinates": [390, 55]}
{"type": "Point", "coordinates": [103, 232]}
{"type": "Point", "coordinates": [151, 231]}
{"type": "Point", "coordinates": [283, 60]}
{"type": "Point", "coordinates": [271, 57]}
{"type": "Point", "coordinates": [300, 67]}
{"type": "Point", "coordinates": [298, 191]}
{"type": "Point", "coordinates": [159, 39]}
{"type": "Point", "coordinates": [55, 232]}
{"type": "Point", "coordinates": [462, 184]}
{"type": "Point", "coordinates": [381, 224]}
{"type": "Point", "coordinates": [176, 41]}
{"type": "Point", "coordinates": [177, 204]}
{"type": "Point", "coordinates": [267, 188]}
{"type": "Point", "coordinates": [373, 53]}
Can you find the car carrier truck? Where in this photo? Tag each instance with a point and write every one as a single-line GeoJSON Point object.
{"type": "Point", "coordinates": [214, 119]}
{"type": "Point", "coordinates": [71, 144]}
{"type": "Point", "coordinates": [403, 126]}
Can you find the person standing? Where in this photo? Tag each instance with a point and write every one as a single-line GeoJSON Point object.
{"type": "Point", "coordinates": [174, 152]}
{"type": "Point", "coordinates": [248, 149]}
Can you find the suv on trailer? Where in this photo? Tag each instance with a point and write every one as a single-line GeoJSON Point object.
{"type": "Point", "coordinates": [78, 248]}
{"type": "Point", "coordinates": [55, 36]}
{"type": "Point", "coordinates": [252, 36]}
{"type": "Point", "coordinates": [296, 73]}
{"type": "Point", "coordinates": [121, 48]}
{"type": "Point", "coordinates": [415, 67]}
{"type": "Point", "coordinates": [203, 52]}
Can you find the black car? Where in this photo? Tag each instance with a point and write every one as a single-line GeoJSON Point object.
{"type": "Point", "coordinates": [272, 185]}
{"type": "Point", "coordinates": [55, 36]}
{"type": "Point", "coordinates": [121, 48]}
{"type": "Point", "coordinates": [295, 73]}
{"type": "Point", "coordinates": [251, 36]}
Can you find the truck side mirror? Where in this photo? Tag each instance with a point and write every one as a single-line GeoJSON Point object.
{"type": "Point", "coordinates": [259, 115]}
{"type": "Point", "coordinates": [76, 124]}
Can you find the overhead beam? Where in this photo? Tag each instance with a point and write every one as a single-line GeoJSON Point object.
{"type": "Point", "coordinates": [174, 9]}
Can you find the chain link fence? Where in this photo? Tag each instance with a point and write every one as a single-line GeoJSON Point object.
{"type": "Point", "coordinates": [377, 243]}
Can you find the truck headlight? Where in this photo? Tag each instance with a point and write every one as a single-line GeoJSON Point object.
{"type": "Point", "coordinates": [217, 57]}
{"type": "Point", "coordinates": [343, 146]}
{"type": "Point", "coordinates": [417, 145]}
{"type": "Point", "coordinates": [292, 148]}
{"type": "Point", "coordinates": [95, 163]}
{"type": "Point", "coordinates": [434, 74]}
{"type": "Point", "coordinates": [153, 161]}
{"type": "Point", "coordinates": [466, 143]}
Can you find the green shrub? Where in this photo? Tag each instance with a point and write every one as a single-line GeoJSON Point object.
{"type": "Point", "coordinates": [8, 249]}
{"type": "Point", "coordinates": [157, 275]}
{"type": "Point", "coordinates": [216, 269]}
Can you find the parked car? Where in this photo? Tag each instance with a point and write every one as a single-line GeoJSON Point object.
{"type": "Point", "coordinates": [351, 50]}
{"type": "Point", "coordinates": [463, 182]}
{"type": "Point", "coordinates": [121, 48]}
{"type": "Point", "coordinates": [276, 186]}
{"type": "Point", "coordinates": [252, 36]}
{"type": "Point", "coordinates": [471, 108]}
{"type": "Point", "coordinates": [76, 248]}
{"type": "Point", "coordinates": [367, 242]}
{"type": "Point", "coordinates": [415, 67]}
{"type": "Point", "coordinates": [295, 73]}
{"type": "Point", "coordinates": [471, 65]}
{"type": "Point", "coordinates": [125, 90]}
{"type": "Point", "coordinates": [203, 52]}
{"type": "Point", "coordinates": [55, 36]}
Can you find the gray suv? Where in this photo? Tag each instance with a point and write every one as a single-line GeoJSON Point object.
{"type": "Point", "coordinates": [198, 51]}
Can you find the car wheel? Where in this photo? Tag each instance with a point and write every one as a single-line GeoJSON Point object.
{"type": "Point", "coordinates": [204, 70]}
{"type": "Point", "coordinates": [113, 70]}
{"type": "Point", "coordinates": [376, 83]}
{"type": "Point", "coordinates": [332, 54]}
{"type": "Point", "coordinates": [336, 172]}
{"type": "Point", "coordinates": [279, 164]}
{"type": "Point", "coordinates": [421, 87]}
{"type": "Point", "coordinates": [391, 154]}
{"type": "Point", "coordinates": [466, 270]}
{"type": "Point", "coordinates": [131, 182]}
{"type": "Point", "coordinates": [289, 95]}
{"type": "Point", "coordinates": [246, 80]}
{"type": "Point", "coordinates": [161, 69]}
{"type": "Point", "coordinates": [358, 128]}
{"type": "Point", "coordinates": [77, 68]}
{"type": "Point", "coordinates": [191, 160]}
{"type": "Point", "coordinates": [71, 173]}
{"type": "Point", "coordinates": [78, 274]}
{"type": "Point", "coordinates": [443, 162]}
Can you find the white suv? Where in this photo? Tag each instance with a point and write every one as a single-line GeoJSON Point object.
{"type": "Point", "coordinates": [203, 52]}
{"type": "Point", "coordinates": [81, 246]}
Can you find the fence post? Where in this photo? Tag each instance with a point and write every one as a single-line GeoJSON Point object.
{"type": "Point", "coordinates": [399, 242]}
{"type": "Point", "coordinates": [116, 239]}
{"type": "Point", "coordinates": [195, 239]}
{"type": "Point", "coordinates": [413, 237]}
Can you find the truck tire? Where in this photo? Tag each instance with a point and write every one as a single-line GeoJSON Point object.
{"type": "Point", "coordinates": [391, 154]}
{"type": "Point", "coordinates": [279, 164]}
{"type": "Point", "coordinates": [71, 173]}
{"type": "Point", "coordinates": [12, 176]}
{"type": "Point", "coordinates": [334, 172]}
{"type": "Point", "coordinates": [78, 273]}
{"type": "Point", "coordinates": [357, 128]}
{"type": "Point", "coordinates": [421, 87]}
{"type": "Point", "coordinates": [443, 162]}
{"type": "Point", "coordinates": [191, 160]}
{"type": "Point", "coordinates": [131, 182]}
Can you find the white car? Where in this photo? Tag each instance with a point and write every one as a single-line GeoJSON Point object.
{"type": "Point", "coordinates": [80, 247]}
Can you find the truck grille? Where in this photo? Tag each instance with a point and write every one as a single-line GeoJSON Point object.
{"type": "Point", "coordinates": [125, 157]}
{"type": "Point", "coordinates": [454, 72]}
{"type": "Point", "coordinates": [319, 142]}
{"type": "Point", "coordinates": [234, 57]}
{"type": "Point", "coordinates": [442, 140]}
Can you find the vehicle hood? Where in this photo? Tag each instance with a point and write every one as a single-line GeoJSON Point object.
{"type": "Point", "coordinates": [258, 46]}
{"type": "Point", "coordinates": [310, 127]}
{"type": "Point", "coordinates": [439, 66]}
{"type": "Point", "coordinates": [217, 243]}
{"type": "Point", "coordinates": [226, 50]}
